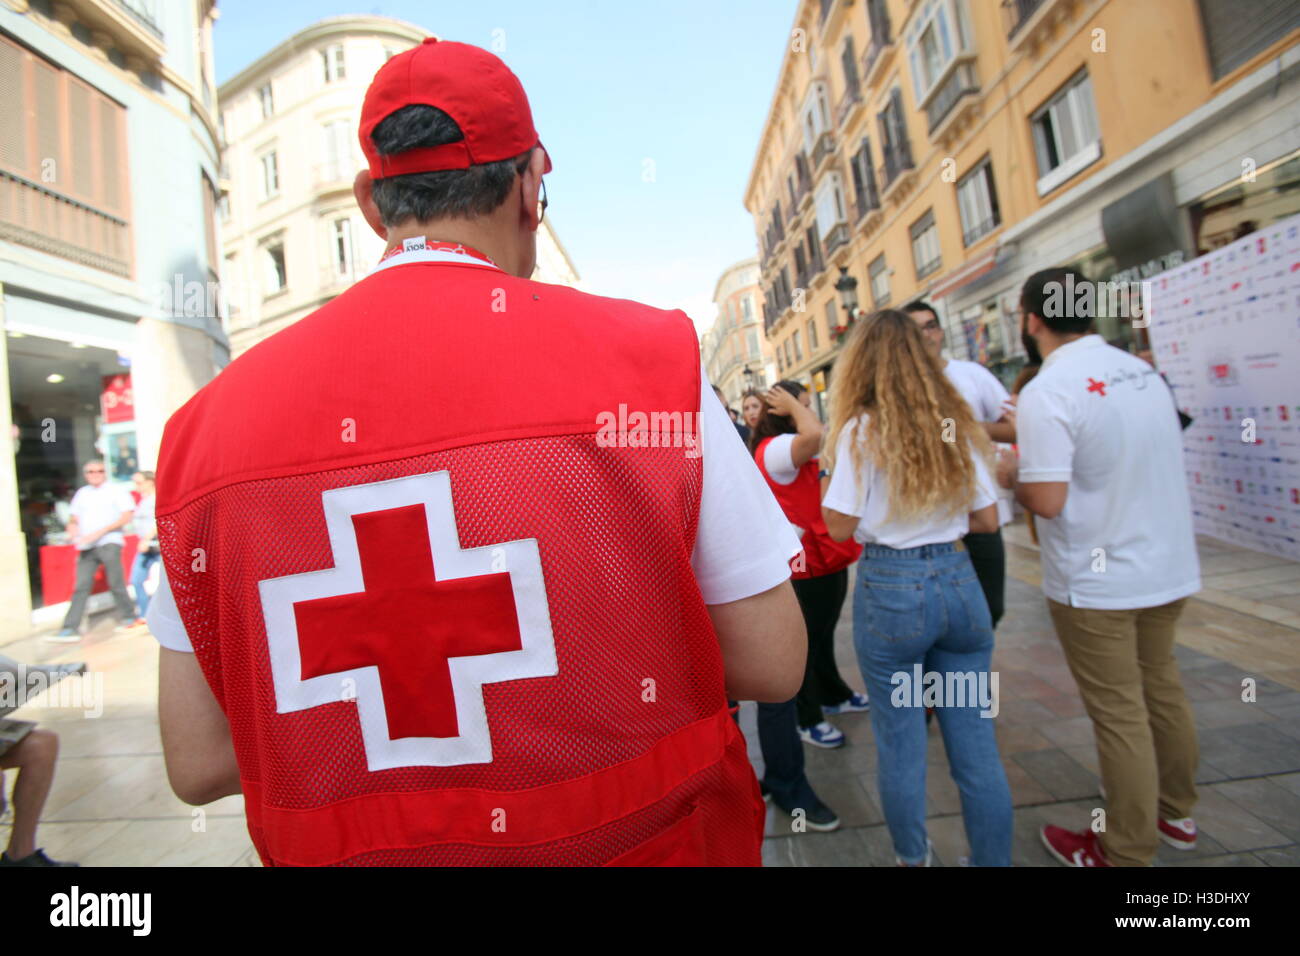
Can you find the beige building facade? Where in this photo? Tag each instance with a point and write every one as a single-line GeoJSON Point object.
{"type": "Point", "coordinates": [109, 264]}
{"type": "Point", "coordinates": [734, 350]}
{"type": "Point", "coordinates": [945, 149]}
{"type": "Point", "coordinates": [292, 235]}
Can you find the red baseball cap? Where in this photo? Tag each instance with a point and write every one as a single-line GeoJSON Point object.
{"type": "Point", "coordinates": [472, 86]}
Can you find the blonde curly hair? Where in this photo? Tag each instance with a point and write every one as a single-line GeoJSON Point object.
{"type": "Point", "coordinates": [921, 431]}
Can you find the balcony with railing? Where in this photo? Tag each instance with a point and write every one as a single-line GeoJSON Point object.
{"type": "Point", "coordinates": [848, 106]}
{"type": "Point", "coordinates": [898, 160]}
{"type": "Point", "coordinates": [837, 237]}
{"type": "Point", "coordinates": [822, 149]}
{"type": "Point", "coordinates": [980, 229]}
{"type": "Point", "coordinates": [1028, 20]}
{"type": "Point", "coordinates": [132, 25]}
{"type": "Point", "coordinates": [868, 197]}
{"type": "Point", "coordinates": [880, 51]}
{"type": "Point", "coordinates": [802, 180]}
{"type": "Point", "coordinates": [40, 218]}
{"type": "Point", "coordinates": [954, 97]}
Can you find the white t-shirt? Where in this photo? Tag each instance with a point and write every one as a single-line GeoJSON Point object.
{"type": "Point", "coordinates": [866, 495]}
{"type": "Point", "coordinates": [778, 459]}
{"type": "Point", "coordinates": [1104, 421]}
{"type": "Point", "coordinates": [983, 392]}
{"type": "Point", "coordinates": [98, 507]}
{"type": "Point", "coordinates": [743, 542]}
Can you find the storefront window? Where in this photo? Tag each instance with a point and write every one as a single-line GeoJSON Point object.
{"type": "Point", "coordinates": [70, 404]}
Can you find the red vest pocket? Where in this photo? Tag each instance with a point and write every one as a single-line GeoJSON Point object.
{"type": "Point", "coordinates": [682, 844]}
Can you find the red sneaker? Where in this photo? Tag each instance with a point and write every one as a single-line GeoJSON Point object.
{"type": "Point", "coordinates": [1179, 834]}
{"type": "Point", "coordinates": [1073, 849]}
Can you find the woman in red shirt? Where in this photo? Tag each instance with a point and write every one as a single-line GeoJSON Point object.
{"type": "Point", "coordinates": [785, 442]}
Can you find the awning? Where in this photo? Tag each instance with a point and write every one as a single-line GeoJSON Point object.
{"type": "Point", "coordinates": [968, 272]}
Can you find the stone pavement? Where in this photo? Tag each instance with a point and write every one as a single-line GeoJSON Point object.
{"type": "Point", "coordinates": [1249, 810]}
{"type": "Point", "coordinates": [111, 805]}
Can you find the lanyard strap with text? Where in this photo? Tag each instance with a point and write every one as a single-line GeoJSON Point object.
{"type": "Point", "coordinates": [420, 249]}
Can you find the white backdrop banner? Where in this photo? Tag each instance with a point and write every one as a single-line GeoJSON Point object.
{"type": "Point", "coordinates": [1225, 330]}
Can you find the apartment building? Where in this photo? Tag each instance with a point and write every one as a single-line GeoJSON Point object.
{"type": "Point", "coordinates": [946, 149]}
{"type": "Point", "coordinates": [735, 351]}
{"type": "Point", "coordinates": [292, 235]}
{"type": "Point", "coordinates": [107, 291]}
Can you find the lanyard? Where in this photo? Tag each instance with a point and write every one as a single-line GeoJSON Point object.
{"type": "Point", "coordinates": [420, 249]}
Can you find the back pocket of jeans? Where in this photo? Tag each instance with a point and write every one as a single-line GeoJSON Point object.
{"type": "Point", "coordinates": [893, 611]}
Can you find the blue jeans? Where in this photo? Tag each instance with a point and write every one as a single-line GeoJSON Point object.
{"type": "Point", "coordinates": [139, 574]}
{"type": "Point", "coordinates": [919, 612]}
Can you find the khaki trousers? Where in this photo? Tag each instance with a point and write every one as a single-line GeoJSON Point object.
{"type": "Point", "coordinates": [1123, 662]}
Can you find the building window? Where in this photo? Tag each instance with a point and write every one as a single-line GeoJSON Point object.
{"type": "Point", "coordinates": [747, 308]}
{"type": "Point", "coordinates": [751, 341]}
{"type": "Point", "coordinates": [267, 100]}
{"type": "Point", "coordinates": [832, 316]}
{"type": "Point", "coordinates": [338, 151]}
{"type": "Point", "coordinates": [815, 117]}
{"type": "Point", "coordinates": [879, 274]}
{"type": "Point", "coordinates": [342, 246]}
{"type": "Point", "coordinates": [813, 344]}
{"type": "Point", "coordinates": [925, 245]}
{"type": "Point", "coordinates": [274, 277]}
{"type": "Point", "coordinates": [209, 192]}
{"type": "Point", "coordinates": [332, 62]}
{"type": "Point", "coordinates": [830, 205]}
{"type": "Point", "coordinates": [798, 345]}
{"type": "Point", "coordinates": [1066, 135]}
{"type": "Point", "coordinates": [977, 201]}
{"type": "Point", "coordinates": [270, 175]}
{"type": "Point", "coordinates": [866, 196]}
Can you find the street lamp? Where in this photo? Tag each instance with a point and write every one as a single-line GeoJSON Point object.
{"type": "Point", "coordinates": [847, 287]}
{"type": "Point", "coordinates": [749, 379]}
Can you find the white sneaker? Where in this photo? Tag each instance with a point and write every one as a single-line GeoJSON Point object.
{"type": "Point", "coordinates": [929, 856]}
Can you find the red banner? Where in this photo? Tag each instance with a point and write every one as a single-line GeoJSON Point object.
{"type": "Point", "coordinates": [117, 399]}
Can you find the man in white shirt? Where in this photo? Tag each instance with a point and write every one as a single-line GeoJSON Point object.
{"type": "Point", "coordinates": [99, 512]}
{"type": "Point", "coordinates": [991, 403]}
{"type": "Point", "coordinates": [1101, 465]}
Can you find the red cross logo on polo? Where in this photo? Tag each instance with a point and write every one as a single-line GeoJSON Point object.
{"type": "Point", "coordinates": [1096, 386]}
{"type": "Point", "coordinates": [415, 621]}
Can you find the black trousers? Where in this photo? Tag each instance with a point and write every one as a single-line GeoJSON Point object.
{"type": "Point", "coordinates": [821, 600]}
{"type": "Point", "coordinates": [989, 556]}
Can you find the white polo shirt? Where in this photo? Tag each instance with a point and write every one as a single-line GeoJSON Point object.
{"type": "Point", "coordinates": [865, 494]}
{"type": "Point", "coordinates": [98, 507]}
{"type": "Point", "coordinates": [1103, 420]}
{"type": "Point", "coordinates": [743, 544]}
{"type": "Point", "coordinates": [983, 392]}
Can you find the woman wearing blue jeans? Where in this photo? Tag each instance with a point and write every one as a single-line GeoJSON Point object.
{"type": "Point", "coordinates": [147, 553]}
{"type": "Point", "coordinates": [910, 478]}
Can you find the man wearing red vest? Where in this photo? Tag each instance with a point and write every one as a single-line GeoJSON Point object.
{"type": "Point", "coordinates": [416, 620]}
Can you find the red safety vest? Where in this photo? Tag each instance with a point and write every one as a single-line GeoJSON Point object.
{"type": "Point", "coordinates": [438, 575]}
{"type": "Point", "coordinates": [801, 500]}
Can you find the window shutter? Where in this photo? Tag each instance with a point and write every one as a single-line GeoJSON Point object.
{"type": "Point", "coordinates": [49, 118]}
{"type": "Point", "coordinates": [13, 108]}
{"type": "Point", "coordinates": [80, 118]}
{"type": "Point", "coordinates": [1236, 30]}
{"type": "Point", "coordinates": [110, 146]}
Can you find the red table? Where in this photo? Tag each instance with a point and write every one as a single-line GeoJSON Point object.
{"type": "Point", "coordinates": [59, 570]}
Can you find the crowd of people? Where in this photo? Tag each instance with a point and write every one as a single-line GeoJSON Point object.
{"type": "Point", "coordinates": [491, 638]}
{"type": "Point", "coordinates": [917, 451]}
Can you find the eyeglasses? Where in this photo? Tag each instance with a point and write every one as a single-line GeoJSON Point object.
{"type": "Point", "coordinates": [932, 326]}
{"type": "Point", "coordinates": [541, 203]}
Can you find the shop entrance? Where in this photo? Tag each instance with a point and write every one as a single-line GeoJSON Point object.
{"type": "Point", "coordinates": [69, 404]}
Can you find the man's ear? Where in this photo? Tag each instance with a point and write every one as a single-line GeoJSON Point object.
{"type": "Point", "coordinates": [363, 191]}
{"type": "Point", "coordinates": [531, 189]}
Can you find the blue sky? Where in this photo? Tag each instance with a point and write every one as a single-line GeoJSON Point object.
{"type": "Point", "coordinates": [612, 84]}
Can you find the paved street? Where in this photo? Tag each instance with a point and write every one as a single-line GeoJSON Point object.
{"type": "Point", "coordinates": [111, 805]}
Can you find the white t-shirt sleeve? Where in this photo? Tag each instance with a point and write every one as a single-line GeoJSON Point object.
{"type": "Point", "coordinates": [164, 620]}
{"type": "Point", "coordinates": [1043, 437]}
{"type": "Point", "coordinates": [986, 492]}
{"type": "Point", "coordinates": [993, 396]}
{"type": "Point", "coordinates": [778, 459]}
{"type": "Point", "coordinates": [846, 492]}
{"type": "Point", "coordinates": [744, 543]}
